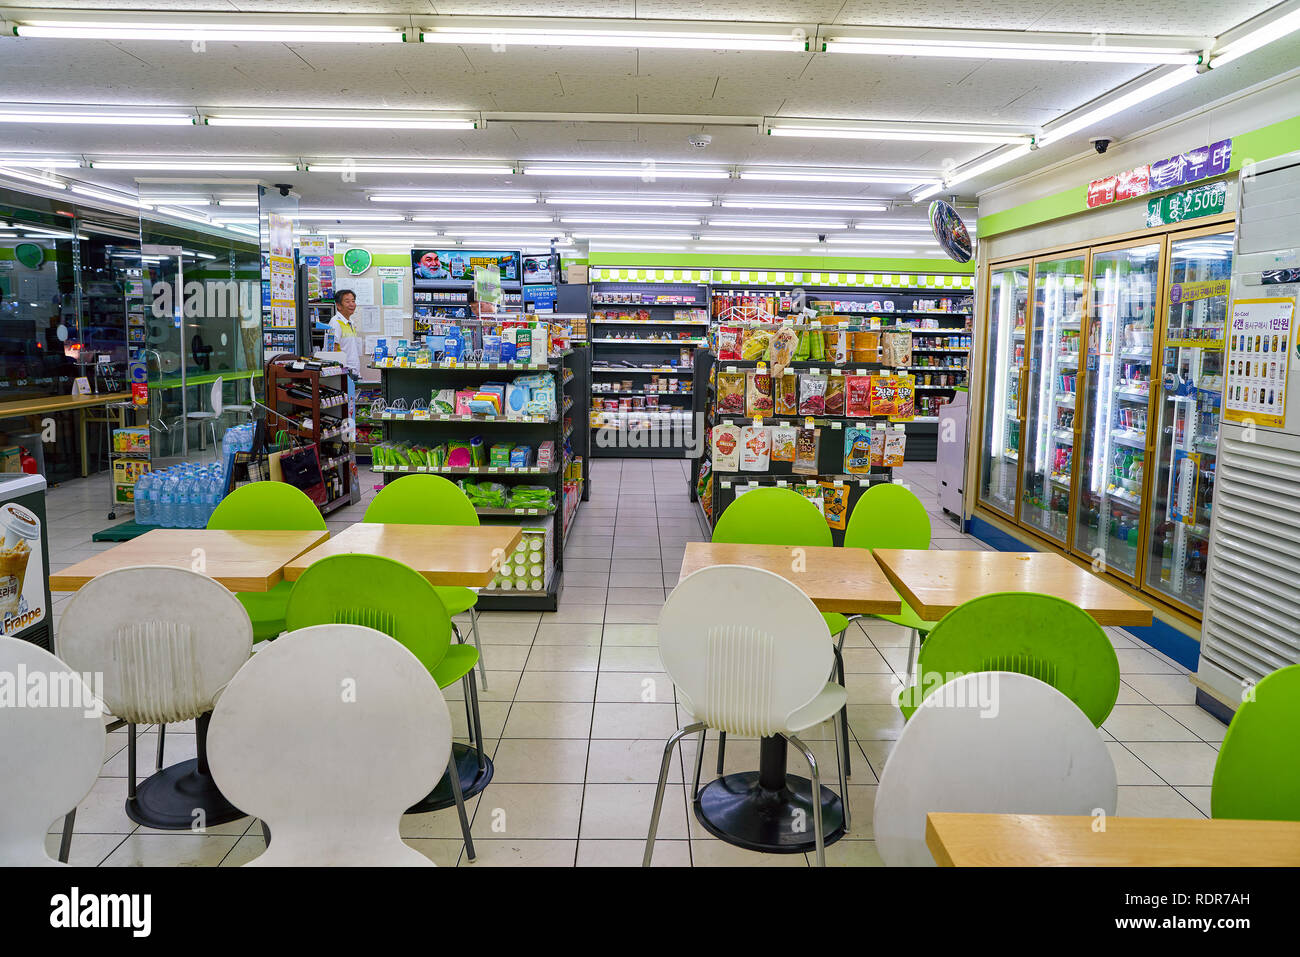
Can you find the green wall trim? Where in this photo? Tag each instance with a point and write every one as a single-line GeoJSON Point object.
{"type": "Point", "coordinates": [788, 263]}
{"type": "Point", "coordinates": [207, 378]}
{"type": "Point", "coordinates": [1261, 144]}
{"type": "Point", "coordinates": [376, 259]}
{"type": "Point", "coordinates": [7, 253]}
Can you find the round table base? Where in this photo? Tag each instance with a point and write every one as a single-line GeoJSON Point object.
{"type": "Point", "coordinates": [472, 781]}
{"type": "Point", "coordinates": [180, 798]}
{"type": "Point", "coordinates": [736, 810]}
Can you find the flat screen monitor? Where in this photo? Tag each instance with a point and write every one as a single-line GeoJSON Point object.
{"type": "Point", "coordinates": [454, 268]}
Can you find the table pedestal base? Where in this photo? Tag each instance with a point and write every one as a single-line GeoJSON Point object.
{"type": "Point", "coordinates": [739, 810]}
{"type": "Point", "coordinates": [180, 798]}
{"type": "Point", "coordinates": [472, 780]}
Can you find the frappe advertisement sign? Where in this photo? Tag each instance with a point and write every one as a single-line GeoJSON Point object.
{"type": "Point", "coordinates": [22, 596]}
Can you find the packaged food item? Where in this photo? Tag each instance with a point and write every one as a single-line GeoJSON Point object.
{"type": "Point", "coordinates": [866, 347]}
{"type": "Point", "coordinates": [835, 395]}
{"type": "Point", "coordinates": [896, 348]}
{"type": "Point", "coordinates": [546, 455]}
{"type": "Point", "coordinates": [755, 344]}
{"type": "Point", "coordinates": [837, 343]}
{"type": "Point", "coordinates": [726, 448]}
{"type": "Point", "coordinates": [499, 455]}
{"type": "Point", "coordinates": [835, 504]}
{"type": "Point", "coordinates": [812, 493]}
{"type": "Point", "coordinates": [884, 394]}
{"type": "Point", "coordinates": [812, 394]}
{"type": "Point", "coordinates": [904, 398]}
{"type": "Point", "coordinates": [787, 394]}
{"type": "Point", "coordinates": [878, 446]}
{"type": "Point", "coordinates": [728, 343]}
{"type": "Point", "coordinates": [731, 393]}
{"type": "Point", "coordinates": [783, 443]}
{"type": "Point", "coordinates": [784, 342]}
{"type": "Point", "coordinates": [520, 455]}
{"type": "Point", "coordinates": [755, 448]}
{"type": "Point", "coordinates": [758, 394]}
{"type": "Point", "coordinates": [895, 446]}
{"type": "Point", "coordinates": [443, 402]}
{"type": "Point", "coordinates": [806, 448]}
{"type": "Point", "coordinates": [857, 451]}
{"type": "Point", "coordinates": [857, 390]}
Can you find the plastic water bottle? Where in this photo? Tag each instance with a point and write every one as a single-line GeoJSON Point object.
{"type": "Point", "coordinates": [166, 513]}
{"type": "Point", "coordinates": [194, 499]}
{"type": "Point", "coordinates": [212, 494]}
{"type": "Point", "coordinates": [143, 507]}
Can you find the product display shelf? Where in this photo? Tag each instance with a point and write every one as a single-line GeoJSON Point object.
{"type": "Point", "coordinates": [656, 328]}
{"type": "Point", "coordinates": [319, 418]}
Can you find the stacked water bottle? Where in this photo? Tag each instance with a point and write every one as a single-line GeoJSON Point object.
{"type": "Point", "coordinates": [182, 496]}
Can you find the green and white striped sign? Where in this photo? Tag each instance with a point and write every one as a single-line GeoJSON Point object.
{"type": "Point", "coordinates": [635, 274]}
{"type": "Point", "coordinates": [858, 279]}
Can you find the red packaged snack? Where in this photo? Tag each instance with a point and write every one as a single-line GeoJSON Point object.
{"type": "Point", "coordinates": [731, 393]}
{"type": "Point", "coordinates": [857, 390]}
{"type": "Point", "coordinates": [728, 343]}
{"type": "Point", "coordinates": [835, 395]}
{"type": "Point", "coordinates": [758, 394]}
{"type": "Point", "coordinates": [812, 394]}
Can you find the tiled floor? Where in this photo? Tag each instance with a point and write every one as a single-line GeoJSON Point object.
{"type": "Point", "coordinates": [578, 708]}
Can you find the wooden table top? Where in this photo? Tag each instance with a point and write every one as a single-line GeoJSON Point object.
{"type": "Point", "coordinates": [444, 554]}
{"type": "Point", "coordinates": [59, 403]}
{"type": "Point", "coordinates": [243, 560]}
{"type": "Point", "coordinates": [1036, 840]}
{"type": "Point", "coordinates": [844, 580]}
{"type": "Point", "coordinates": [934, 582]}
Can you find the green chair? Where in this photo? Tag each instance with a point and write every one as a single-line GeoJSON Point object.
{"type": "Point", "coordinates": [778, 516]}
{"type": "Point", "coordinates": [891, 516]}
{"type": "Point", "coordinates": [394, 598]}
{"type": "Point", "coordinates": [1042, 636]}
{"type": "Point", "coordinates": [432, 500]}
{"type": "Point", "coordinates": [1257, 774]}
{"type": "Point", "coordinates": [273, 506]}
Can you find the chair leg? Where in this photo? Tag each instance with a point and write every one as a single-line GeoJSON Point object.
{"type": "Point", "coordinates": [699, 763]}
{"type": "Point", "coordinates": [842, 719]}
{"type": "Point", "coordinates": [478, 722]}
{"type": "Point", "coordinates": [130, 762]}
{"type": "Point", "coordinates": [816, 797]}
{"type": "Point", "coordinates": [65, 842]}
{"type": "Point", "coordinates": [911, 654]}
{"type": "Point", "coordinates": [842, 762]}
{"type": "Point", "coordinates": [722, 749]}
{"type": "Point", "coordinates": [659, 791]}
{"type": "Point", "coordinates": [473, 624]}
{"type": "Point", "coordinates": [454, 773]}
{"type": "Point", "coordinates": [162, 737]}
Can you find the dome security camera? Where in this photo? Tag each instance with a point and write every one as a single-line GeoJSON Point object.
{"type": "Point", "coordinates": [1101, 143]}
{"type": "Point", "coordinates": [699, 140]}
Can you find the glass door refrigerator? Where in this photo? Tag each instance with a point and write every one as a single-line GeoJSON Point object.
{"type": "Point", "coordinates": [1190, 390]}
{"type": "Point", "coordinates": [1060, 291]}
{"type": "Point", "coordinates": [1116, 406]}
{"type": "Point", "coordinates": [1003, 381]}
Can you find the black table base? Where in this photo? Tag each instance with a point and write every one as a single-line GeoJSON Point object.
{"type": "Point", "coordinates": [184, 796]}
{"type": "Point", "coordinates": [473, 779]}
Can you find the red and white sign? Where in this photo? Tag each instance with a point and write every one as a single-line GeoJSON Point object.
{"type": "Point", "coordinates": [1133, 183]}
{"type": "Point", "coordinates": [1102, 191]}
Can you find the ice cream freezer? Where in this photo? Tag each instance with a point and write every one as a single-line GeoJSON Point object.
{"type": "Point", "coordinates": [25, 605]}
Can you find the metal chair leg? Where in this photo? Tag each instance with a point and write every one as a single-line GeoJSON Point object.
{"type": "Point", "coordinates": [842, 762]}
{"type": "Point", "coordinates": [659, 790]}
{"type": "Point", "coordinates": [130, 762]}
{"type": "Point", "coordinates": [65, 842]}
{"type": "Point", "coordinates": [454, 773]}
{"type": "Point", "coordinates": [842, 719]}
{"type": "Point", "coordinates": [722, 749]}
{"type": "Point", "coordinates": [482, 667]}
{"type": "Point", "coordinates": [478, 722]}
{"type": "Point", "coordinates": [911, 655]}
{"type": "Point", "coordinates": [162, 737]}
{"type": "Point", "coordinates": [699, 763]}
{"type": "Point", "coordinates": [816, 797]}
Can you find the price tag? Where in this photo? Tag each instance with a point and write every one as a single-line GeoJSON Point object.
{"type": "Point", "coordinates": [809, 422]}
{"type": "Point", "coordinates": [420, 415]}
{"type": "Point", "coordinates": [403, 468]}
{"type": "Point", "coordinates": [837, 425]}
{"type": "Point", "coordinates": [532, 511]}
{"type": "Point", "coordinates": [494, 468]}
{"type": "Point", "coordinates": [815, 371]}
{"type": "Point", "coordinates": [761, 368]}
{"type": "Point", "coordinates": [752, 483]}
{"type": "Point", "coordinates": [860, 425]}
{"type": "Point", "coordinates": [862, 371]}
{"type": "Point", "coordinates": [837, 372]}
{"type": "Point", "coordinates": [781, 483]}
{"type": "Point", "coordinates": [724, 484]}
{"type": "Point", "coordinates": [758, 421]}
{"type": "Point", "coordinates": [810, 482]}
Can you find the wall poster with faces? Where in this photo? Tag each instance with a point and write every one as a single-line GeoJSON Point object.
{"type": "Point", "coordinates": [1260, 336]}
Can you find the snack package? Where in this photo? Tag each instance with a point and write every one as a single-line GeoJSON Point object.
{"type": "Point", "coordinates": [520, 455]}
{"type": "Point", "coordinates": [857, 389]}
{"type": "Point", "coordinates": [726, 448]}
{"type": "Point", "coordinates": [755, 448]}
{"type": "Point", "coordinates": [896, 348]}
{"type": "Point", "coordinates": [731, 393]}
{"type": "Point", "coordinates": [499, 455]}
{"type": "Point", "coordinates": [866, 347]}
{"type": "Point", "coordinates": [884, 391]}
{"type": "Point", "coordinates": [895, 446]}
{"type": "Point", "coordinates": [443, 402]}
{"type": "Point", "coordinates": [755, 344]}
{"type": "Point", "coordinates": [783, 443]}
{"type": "Point", "coordinates": [758, 394]}
{"type": "Point", "coordinates": [857, 451]}
{"type": "Point", "coordinates": [784, 342]}
{"type": "Point", "coordinates": [807, 446]}
{"type": "Point", "coordinates": [812, 394]}
{"type": "Point", "coordinates": [904, 398]}
{"type": "Point", "coordinates": [878, 446]}
{"type": "Point", "coordinates": [835, 504]}
{"type": "Point", "coordinates": [787, 394]}
{"type": "Point", "coordinates": [728, 343]}
{"type": "Point", "coordinates": [812, 493]}
{"type": "Point", "coordinates": [835, 395]}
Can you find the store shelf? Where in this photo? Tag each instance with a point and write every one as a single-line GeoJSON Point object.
{"type": "Point", "coordinates": [640, 369]}
{"type": "Point", "coordinates": [467, 470]}
{"type": "Point", "coordinates": [648, 322]}
{"type": "Point", "coordinates": [618, 392]}
{"type": "Point", "coordinates": [451, 417]}
{"type": "Point", "coordinates": [455, 365]}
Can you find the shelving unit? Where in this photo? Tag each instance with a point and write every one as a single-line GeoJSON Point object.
{"type": "Point", "coordinates": [318, 418]}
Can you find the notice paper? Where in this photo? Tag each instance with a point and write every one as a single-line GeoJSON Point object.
{"type": "Point", "coordinates": [364, 287]}
{"type": "Point", "coordinates": [1260, 332]}
{"type": "Point", "coordinates": [367, 319]}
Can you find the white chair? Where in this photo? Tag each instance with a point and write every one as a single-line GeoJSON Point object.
{"type": "Point", "coordinates": [166, 641]}
{"type": "Point", "coordinates": [991, 742]}
{"type": "Point", "coordinates": [52, 752]}
{"type": "Point", "coordinates": [749, 654]}
{"type": "Point", "coordinates": [328, 734]}
{"type": "Point", "coordinates": [214, 416]}
{"type": "Point", "coordinates": [245, 407]}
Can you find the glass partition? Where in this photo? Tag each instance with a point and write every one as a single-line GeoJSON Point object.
{"type": "Point", "coordinates": [1000, 458]}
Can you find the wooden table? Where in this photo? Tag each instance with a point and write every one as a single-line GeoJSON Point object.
{"type": "Point", "coordinates": [934, 582]}
{"type": "Point", "coordinates": [1035, 840]}
{"type": "Point", "coordinates": [66, 403]}
{"type": "Point", "coordinates": [844, 580]}
{"type": "Point", "coordinates": [444, 554]}
{"type": "Point", "coordinates": [251, 560]}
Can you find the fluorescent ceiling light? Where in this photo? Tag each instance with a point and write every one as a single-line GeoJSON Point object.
{"type": "Point", "coordinates": [729, 238]}
{"type": "Point", "coordinates": [649, 236]}
{"type": "Point", "coordinates": [47, 181]}
{"type": "Point", "coordinates": [616, 200]}
{"type": "Point", "coordinates": [896, 227]}
{"type": "Point", "coordinates": [865, 251]}
{"type": "Point", "coordinates": [125, 26]}
{"type": "Point", "coordinates": [238, 202]}
{"type": "Point", "coordinates": [463, 199]}
{"type": "Point", "coordinates": [920, 134]}
{"type": "Point", "coordinates": [775, 223]}
{"type": "Point", "coordinates": [1117, 104]}
{"type": "Point", "coordinates": [179, 200]}
{"type": "Point", "coordinates": [830, 175]}
{"type": "Point", "coordinates": [818, 204]}
{"type": "Point", "coordinates": [371, 166]}
{"type": "Point", "coordinates": [41, 233]}
{"type": "Point", "coordinates": [117, 198]}
{"type": "Point", "coordinates": [37, 161]}
{"type": "Point", "coordinates": [193, 217]}
{"type": "Point", "coordinates": [678, 35]}
{"type": "Point", "coordinates": [632, 171]}
{"type": "Point", "coordinates": [205, 255]}
{"type": "Point", "coordinates": [861, 240]}
{"type": "Point", "coordinates": [251, 165]}
{"type": "Point", "coordinates": [1252, 41]}
{"type": "Point", "coordinates": [1009, 45]}
{"type": "Point", "coordinates": [326, 215]}
{"type": "Point", "coordinates": [454, 217]}
{"type": "Point", "coordinates": [642, 247]}
{"type": "Point", "coordinates": [728, 247]}
{"type": "Point", "coordinates": [94, 116]}
{"type": "Point", "coordinates": [325, 120]}
{"type": "Point", "coordinates": [623, 221]}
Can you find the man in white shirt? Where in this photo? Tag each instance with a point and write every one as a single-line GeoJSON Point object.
{"type": "Point", "coordinates": [344, 332]}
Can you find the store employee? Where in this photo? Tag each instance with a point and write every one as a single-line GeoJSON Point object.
{"type": "Point", "coordinates": [345, 335]}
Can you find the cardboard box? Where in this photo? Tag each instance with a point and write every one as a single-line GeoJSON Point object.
{"type": "Point", "coordinates": [576, 275]}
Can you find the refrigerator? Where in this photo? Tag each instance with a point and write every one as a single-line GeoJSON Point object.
{"type": "Point", "coordinates": [1003, 415]}
{"type": "Point", "coordinates": [25, 605]}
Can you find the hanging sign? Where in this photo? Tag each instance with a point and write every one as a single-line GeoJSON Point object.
{"type": "Point", "coordinates": [1258, 361]}
{"type": "Point", "coordinates": [1207, 200]}
{"type": "Point", "coordinates": [1178, 170]}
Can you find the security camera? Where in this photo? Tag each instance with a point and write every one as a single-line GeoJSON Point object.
{"type": "Point", "coordinates": [821, 237]}
{"type": "Point", "coordinates": [700, 140]}
{"type": "Point", "coordinates": [1101, 143]}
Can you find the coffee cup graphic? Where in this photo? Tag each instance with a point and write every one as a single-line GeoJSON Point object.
{"type": "Point", "coordinates": [19, 528]}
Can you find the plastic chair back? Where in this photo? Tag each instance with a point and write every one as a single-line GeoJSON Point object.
{"type": "Point", "coordinates": [373, 592]}
{"type": "Point", "coordinates": [328, 735]}
{"type": "Point", "coordinates": [1042, 636]}
{"type": "Point", "coordinates": [166, 640]}
{"type": "Point", "coordinates": [217, 398]}
{"type": "Point", "coordinates": [53, 750]}
{"type": "Point", "coordinates": [1257, 773]}
{"type": "Point", "coordinates": [421, 500]}
{"type": "Point", "coordinates": [990, 743]}
{"type": "Point", "coordinates": [271, 506]}
{"type": "Point", "coordinates": [772, 516]}
{"type": "Point", "coordinates": [888, 516]}
{"type": "Point", "coordinates": [745, 647]}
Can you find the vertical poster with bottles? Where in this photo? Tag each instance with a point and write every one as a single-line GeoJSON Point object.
{"type": "Point", "coordinates": [1121, 333]}
{"type": "Point", "coordinates": [1189, 409]}
{"type": "Point", "coordinates": [1059, 294]}
{"type": "Point", "coordinates": [280, 269]}
{"type": "Point", "coordinates": [1008, 308]}
{"type": "Point", "coordinates": [1258, 361]}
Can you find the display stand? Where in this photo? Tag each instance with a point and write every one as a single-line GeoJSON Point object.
{"type": "Point", "coordinates": [317, 418]}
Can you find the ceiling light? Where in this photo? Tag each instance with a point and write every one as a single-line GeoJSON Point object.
{"type": "Point", "coordinates": [623, 221]}
{"type": "Point", "coordinates": [460, 198]}
{"type": "Point", "coordinates": [94, 116]}
{"type": "Point", "coordinates": [729, 238]}
{"type": "Point", "coordinates": [47, 181]}
{"type": "Point", "coordinates": [830, 175]}
{"type": "Point", "coordinates": [37, 161]}
{"type": "Point", "coordinates": [860, 240]}
{"type": "Point", "coordinates": [908, 227]}
{"type": "Point", "coordinates": [179, 200]}
{"type": "Point", "coordinates": [120, 25]}
{"type": "Point", "coordinates": [1008, 45]}
{"type": "Point", "coordinates": [117, 198]}
{"type": "Point", "coordinates": [649, 171]}
{"type": "Point", "coordinates": [847, 206]}
{"type": "Point", "coordinates": [193, 217]}
{"type": "Point", "coordinates": [617, 200]}
{"type": "Point", "coordinates": [205, 255]}
{"type": "Point", "coordinates": [1283, 26]}
{"type": "Point", "coordinates": [454, 217]}
{"type": "Point", "coordinates": [372, 166]}
{"type": "Point", "coordinates": [863, 251]}
{"type": "Point", "coordinates": [727, 247]}
{"type": "Point", "coordinates": [1117, 104]}
{"type": "Point", "coordinates": [239, 202]}
{"type": "Point", "coordinates": [41, 233]}
{"type": "Point", "coordinates": [671, 35]}
{"type": "Point", "coordinates": [775, 223]}
{"type": "Point", "coordinates": [641, 247]}
{"type": "Point", "coordinates": [329, 216]}
{"type": "Point", "coordinates": [250, 165]}
{"type": "Point", "coordinates": [341, 119]}
{"type": "Point", "coordinates": [649, 236]}
{"type": "Point", "coordinates": [916, 134]}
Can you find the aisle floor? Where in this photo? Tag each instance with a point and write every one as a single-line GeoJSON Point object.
{"type": "Point", "coordinates": [577, 709]}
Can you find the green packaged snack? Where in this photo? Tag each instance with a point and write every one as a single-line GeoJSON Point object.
{"type": "Point", "coordinates": [532, 496]}
{"type": "Point", "coordinates": [500, 455]}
